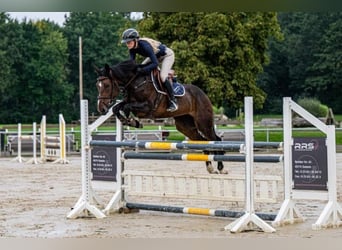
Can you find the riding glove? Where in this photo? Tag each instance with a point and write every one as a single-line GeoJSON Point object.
{"type": "Point", "coordinates": [141, 71]}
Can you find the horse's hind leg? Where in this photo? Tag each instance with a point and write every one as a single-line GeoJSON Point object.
{"type": "Point", "coordinates": [220, 166]}
{"type": "Point", "coordinates": [206, 127]}
{"type": "Point", "coordinates": [186, 125]}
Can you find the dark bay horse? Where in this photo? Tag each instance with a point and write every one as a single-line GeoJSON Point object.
{"type": "Point", "coordinates": [194, 117]}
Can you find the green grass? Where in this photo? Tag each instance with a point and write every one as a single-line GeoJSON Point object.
{"type": "Point", "coordinates": [271, 135]}
{"type": "Point", "coordinates": [338, 118]}
{"type": "Point", "coordinates": [277, 136]}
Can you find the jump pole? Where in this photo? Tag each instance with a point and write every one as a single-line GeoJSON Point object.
{"type": "Point", "coordinates": [195, 211]}
{"type": "Point", "coordinates": [196, 145]}
{"type": "Point", "coordinates": [198, 157]}
{"type": "Point", "coordinates": [246, 221]}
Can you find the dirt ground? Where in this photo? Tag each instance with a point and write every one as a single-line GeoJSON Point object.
{"type": "Point", "coordinates": [35, 199]}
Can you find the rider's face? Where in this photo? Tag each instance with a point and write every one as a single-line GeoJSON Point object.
{"type": "Point", "coordinates": [130, 44]}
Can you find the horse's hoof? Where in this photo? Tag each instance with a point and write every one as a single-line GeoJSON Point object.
{"type": "Point", "coordinates": [210, 169]}
{"type": "Point", "coordinates": [122, 114]}
{"type": "Point", "coordinates": [223, 171]}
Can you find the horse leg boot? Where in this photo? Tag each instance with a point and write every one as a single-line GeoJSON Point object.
{"type": "Point", "coordinates": [172, 100]}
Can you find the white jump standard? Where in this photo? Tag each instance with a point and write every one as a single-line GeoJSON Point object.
{"type": "Point", "coordinates": [331, 216]}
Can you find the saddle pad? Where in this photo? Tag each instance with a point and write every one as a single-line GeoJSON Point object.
{"type": "Point", "coordinates": [178, 89]}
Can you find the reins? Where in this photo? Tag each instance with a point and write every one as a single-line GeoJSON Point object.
{"type": "Point", "coordinates": [130, 81]}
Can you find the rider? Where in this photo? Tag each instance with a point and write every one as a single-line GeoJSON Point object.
{"type": "Point", "coordinates": [154, 52]}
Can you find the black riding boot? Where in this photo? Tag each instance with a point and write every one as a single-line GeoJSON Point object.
{"type": "Point", "coordinates": [173, 102]}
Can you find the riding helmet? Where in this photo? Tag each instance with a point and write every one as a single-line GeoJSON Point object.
{"type": "Point", "coordinates": [129, 35]}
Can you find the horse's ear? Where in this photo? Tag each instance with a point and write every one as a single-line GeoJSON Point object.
{"type": "Point", "coordinates": [97, 70]}
{"type": "Point", "coordinates": [107, 68]}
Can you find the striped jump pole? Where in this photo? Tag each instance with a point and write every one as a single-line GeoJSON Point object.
{"type": "Point", "coordinates": [196, 145]}
{"type": "Point", "coordinates": [198, 157]}
{"type": "Point", "coordinates": [202, 145]}
{"type": "Point", "coordinates": [194, 211]}
{"type": "Point", "coordinates": [256, 144]}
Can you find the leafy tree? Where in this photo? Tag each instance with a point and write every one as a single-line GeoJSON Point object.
{"type": "Point", "coordinates": [325, 72]}
{"type": "Point", "coordinates": [307, 62]}
{"type": "Point", "coordinates": [35, 58]}
{"type": "Point", "coordinates": [11, 41]}
{"type": "Point", "coordinates": [220, 52]}
{"type": "Point", "coordinates": [5, 63]}
{"type": "Point", "coordinates": [100, 32]}
{"type": "Point", "coordinates": [50, 90]}
{"type": "Point", "coordinates": [275, 79]}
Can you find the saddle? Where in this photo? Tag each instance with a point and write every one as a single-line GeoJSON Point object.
{"type": "Point", "coordinates": [178, 88]}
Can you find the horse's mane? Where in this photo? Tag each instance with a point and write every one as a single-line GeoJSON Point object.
{"type": "Point", "coordinates": [124, 70]}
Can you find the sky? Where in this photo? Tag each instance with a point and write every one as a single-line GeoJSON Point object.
{"type": "Point", "coordinates": [57, 17]}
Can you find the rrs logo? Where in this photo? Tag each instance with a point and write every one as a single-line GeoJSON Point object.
{"type": "Point", "coordinates": [304, 146]}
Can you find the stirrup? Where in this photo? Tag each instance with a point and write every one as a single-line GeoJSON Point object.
{"type": "Point", "coordinates": [173, 107]}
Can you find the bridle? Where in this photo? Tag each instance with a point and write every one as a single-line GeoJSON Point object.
{"type": "Point", "coordinates": [99, 83]}
{"type": "Point", "coordinates": [113, 82]}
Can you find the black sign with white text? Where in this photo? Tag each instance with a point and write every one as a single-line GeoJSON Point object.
{"type": "Point", "coordinates": [309, 163]}
{"type": "Point", "coordinates": [103, 160]}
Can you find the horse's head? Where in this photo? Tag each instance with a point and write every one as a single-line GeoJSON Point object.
{"type": "Point", "coordinates": [108, 82]}
{"type": "Point", "coordinates": [107, 87]}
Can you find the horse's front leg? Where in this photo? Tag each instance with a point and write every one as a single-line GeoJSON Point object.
{"type": "Point", "coordinates": [126, 112]}
{"type": "Point", "coordinates": [118, 111]}
{"type": "Point", "coordinates": [137, 108]}
{"type": "Point", "coordinates": [118, 107]}
{"type": "Point", "coordinates": [133, 110]}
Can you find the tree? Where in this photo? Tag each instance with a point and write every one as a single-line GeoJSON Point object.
{"type": "Point", "coordinates": [5, 63]}
{"type": "Point", "coordinates": [307, 62]}
{"type": "Point", "coordinates": [100, 32]}
{"type": "Point", "coordinates": [220, 52]}
{"type": "Point", "coordinates": [325, 72]}
{"type": "Point", "coordinates": [34, 56]}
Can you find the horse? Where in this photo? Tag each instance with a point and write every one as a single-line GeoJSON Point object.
{"type": "Point", "coordinates": [194, 117]}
